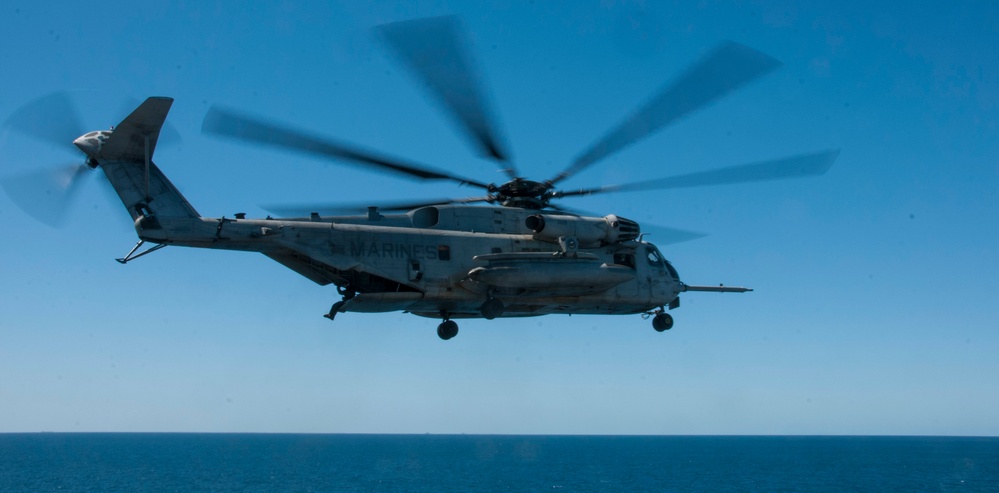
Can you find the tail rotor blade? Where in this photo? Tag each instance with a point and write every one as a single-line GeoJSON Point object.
{"type": "Point", "coordinates": [45, 194]}
{"type": "Point", "coordinates": [723, 70]}
{"type": "Point", "coordinates": [52, 119]}
{"type": "Point", "coordinates": [433, 50]}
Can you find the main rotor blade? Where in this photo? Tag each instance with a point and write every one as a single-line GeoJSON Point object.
{"type": "Point", "coordinates": [242, 127]}
{"type": "Point", "coordinates": [45, 194]}
{"type": "Point", "coordinates": [662, 235]}
{"type": "Point", "coordinates": [777, 169]}
{"type": "Point", "coordinates": [53, 119]}
{"type": "Point", "coordinates": [433, 50]}
{"type": "Point", "coordinates": [720, 72]}
{"type": "Point", "coordinates": [361, 208]}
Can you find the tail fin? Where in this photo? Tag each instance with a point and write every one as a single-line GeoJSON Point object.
{"type": "Point", "coordinates": [126, 159]}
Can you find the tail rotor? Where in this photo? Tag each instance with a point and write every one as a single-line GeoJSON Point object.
{"type": "Point", "coordinates": [45, 189]}
{"type": "Point", "coordinates": [45, 192]}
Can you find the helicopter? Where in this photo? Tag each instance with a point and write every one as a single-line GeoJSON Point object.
{"type": "Point", "coordinates": [511, 252]}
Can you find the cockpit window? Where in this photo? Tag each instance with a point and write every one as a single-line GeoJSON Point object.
{"type": "Point", "coordinates": [672, 271]}
{"type": "Point", "coordinates": [655, 258]}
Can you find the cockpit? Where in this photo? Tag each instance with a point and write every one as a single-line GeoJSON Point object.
{"type": "Point", "coordinates": [654, 257]}
{"type": "Point", "coordinates": [658, 262]}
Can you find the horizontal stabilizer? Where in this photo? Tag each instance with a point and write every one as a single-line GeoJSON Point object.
{"type": "Point", "coordinates": [129, 140]}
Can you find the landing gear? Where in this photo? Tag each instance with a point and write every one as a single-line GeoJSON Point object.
{"type": "Point", "coordinates": [492, 308]}
{"type": "Point", "coordinates": [131, 254]}
{"type": "Point", "coordinates": [447, 329]}
{"type": "Point", "coordinates": [662, 321]}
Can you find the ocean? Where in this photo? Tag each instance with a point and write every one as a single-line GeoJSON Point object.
{"type": "Point", "coordinates": [434, 463]}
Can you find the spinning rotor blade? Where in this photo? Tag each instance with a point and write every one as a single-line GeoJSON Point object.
{"type": "Point", "coordinates": [720, 72]}
{"type": "Point", "coordinates": [45, 194]}
{"type": "Point", "coordinates": [359, 208]}
{"type": "Point", "coordinates": [433, 50]}
{"type": "Point", "coordinates": [231, 124]}
{"type": "Point", "coordinates": [778, 169]}
{"type": "Point", "coordinates": [662, 235]}
{"type": "Point", "coordinates": [53, 119]}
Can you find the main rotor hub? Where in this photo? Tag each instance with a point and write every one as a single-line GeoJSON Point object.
{"type": "Point", "coordinates": [519, 192]}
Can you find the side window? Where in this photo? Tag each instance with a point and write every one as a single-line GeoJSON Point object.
{"type": "Point", "coordinates": [625, 259]}
{"type": "Point", "coordinates": [443, 252]}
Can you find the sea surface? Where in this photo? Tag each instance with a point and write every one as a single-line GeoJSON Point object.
{"type": "Point", "coordinates": [280, 462]}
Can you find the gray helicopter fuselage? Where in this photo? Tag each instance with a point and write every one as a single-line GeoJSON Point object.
{"type": "Point", "coordinates": [444, 259]}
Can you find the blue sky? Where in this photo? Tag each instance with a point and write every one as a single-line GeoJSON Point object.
{"type": "Point", "coordinates": [874, 310]}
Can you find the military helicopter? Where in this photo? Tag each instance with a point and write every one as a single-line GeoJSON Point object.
{"type": "Point", "coordinates": [511, 252]}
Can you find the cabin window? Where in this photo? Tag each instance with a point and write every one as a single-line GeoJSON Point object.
{"type": "Point", "coordinates": [443, 252]}
{"type": "Point", "coordinates": [625, 259]}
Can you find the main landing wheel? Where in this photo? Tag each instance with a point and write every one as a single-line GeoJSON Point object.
{"type": "Point", "coordinates": [447, 329]}
{"type": "Point", "coordinates": [492, 308]}
{"type": "Point", "coordinates": [662, 321]}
